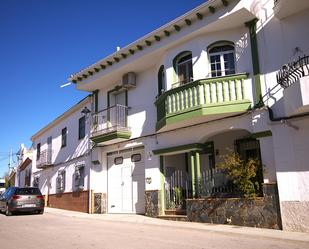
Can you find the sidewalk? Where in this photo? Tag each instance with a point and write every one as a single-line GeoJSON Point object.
{"type": "Point", "coordinates": [230, 229]}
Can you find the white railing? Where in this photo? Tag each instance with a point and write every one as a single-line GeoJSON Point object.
{"type": "Point", "coordinates": [45, 159]}
{"type": "Point", "coordinates": [108, 120]}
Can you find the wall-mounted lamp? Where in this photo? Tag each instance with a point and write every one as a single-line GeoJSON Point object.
{"type": "Point", "coordinates": [85, 112]}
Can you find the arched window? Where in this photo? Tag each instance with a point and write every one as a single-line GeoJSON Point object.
{"type": "Point", "coordinates": [183, 67]}
{"type": "Point", "coordinates": [161, 80]}
{"type": "Point", "coordinates": [222, 59]}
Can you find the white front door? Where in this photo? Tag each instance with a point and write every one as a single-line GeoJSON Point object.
{"type": "Point", "coordinates": [126, 183]}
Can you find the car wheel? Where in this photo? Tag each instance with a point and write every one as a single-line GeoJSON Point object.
{"type": "Point", "coordinates": [41, 212]}
{"type": "Point", "coordinates": [7, 211]}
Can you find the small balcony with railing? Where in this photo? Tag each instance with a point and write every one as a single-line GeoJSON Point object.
{"type": "Point", "coordinates": [294, 79]}
{"type": "Point", "coordinates": [203, 100]}
{"type": "Point", "coordinates": [110, 125]}
{"type": "Point", "coordinates": [44, 159]}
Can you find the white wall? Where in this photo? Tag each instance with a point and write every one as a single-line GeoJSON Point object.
{"type": "Point", "coordinates": [75, 152]}
{"type": "Point", "coordinates": [277, 40]}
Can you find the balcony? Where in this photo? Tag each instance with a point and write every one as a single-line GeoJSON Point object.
{"type": "Point", "coordinates": [110, 125]}
{"type": "Point", "coordinates": [285, 8]}
{"type": "Point", "coordinates": [202, 100]}
{"type": "Point", "coordinates": [294, 79]}
{"type": "Point", "coordinates": [45, 159]}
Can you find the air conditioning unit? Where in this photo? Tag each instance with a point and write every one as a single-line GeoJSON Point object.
{"type": "Point", "coordinates": [129, 80]}
{"type": "Point", "coordinates": [96, 156]}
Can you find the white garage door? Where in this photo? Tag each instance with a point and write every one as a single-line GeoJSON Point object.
{"type": "Point", "coordinates": [126, 183]}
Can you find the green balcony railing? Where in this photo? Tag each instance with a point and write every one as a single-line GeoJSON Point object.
{"type": "Point", "coordinates": [202, 93]}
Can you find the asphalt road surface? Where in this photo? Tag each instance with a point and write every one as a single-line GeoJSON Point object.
{"type": "Point", "coordinates": [52, 230]}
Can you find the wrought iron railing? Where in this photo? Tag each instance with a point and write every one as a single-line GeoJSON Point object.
{"type": "Point", "coordinates": [293, 71]}
{"type": "Point", "coordinates": [45, 159]}
{"type": "Point", "coordinates": [178, 188]}
{"type": "Point", "coordinates": [215, 183]}
{"type": "Point", "coordinates": [211, 183]}
{"type": "Point", "coordinates": [111, 119]}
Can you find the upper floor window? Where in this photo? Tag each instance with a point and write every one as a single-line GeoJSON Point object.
{"type": "Point", "coordinates": [81, 127]}
{"type": "Point", "coordinates": [183, 67]}
{"type": "Point", "coordinates": [222, 59]}
{"type": "Point", "coordinates": [38, 151]}
{"type": "Point", "coordinates": [161, 80]}
{"type": "Point", "coordinates": [64, 137]}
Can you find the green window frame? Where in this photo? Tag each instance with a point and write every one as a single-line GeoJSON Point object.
{"type": "Point", "coordinates": [81, 127]}
{"type": "Point", "coordinates": [64, 137]}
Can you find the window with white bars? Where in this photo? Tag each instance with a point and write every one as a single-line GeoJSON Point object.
{"type": "Point", "coordinates": [222, 60]}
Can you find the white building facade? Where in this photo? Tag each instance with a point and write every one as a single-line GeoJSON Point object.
{"type": "Point", "coordinates": [166, 108]}
{"type": "Point", "coordinates": [61, 159]}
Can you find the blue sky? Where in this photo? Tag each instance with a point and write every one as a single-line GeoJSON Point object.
{"type": "Point", "coordinates": [42, 42]}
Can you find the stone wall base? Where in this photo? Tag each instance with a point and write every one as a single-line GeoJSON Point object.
{"type": "Point", "coordinates": [295, 216]}
{"type": "Point", "coordinates": [263, 212]}
{"type": "Point", "coordinates": [74, 201]}
{"type": "Point", "coordinates": [152, 203]}
{"type": "Point", "coordinates": [99, 203]}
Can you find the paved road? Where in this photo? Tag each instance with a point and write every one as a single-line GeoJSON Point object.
{"type": "Point", "coordinates": [60, 231]}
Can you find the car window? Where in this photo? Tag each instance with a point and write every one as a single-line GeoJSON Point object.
{"type": "Point", "coordinates": [7, 192]}
{"type": "Point", "coordinates": [27, 191]}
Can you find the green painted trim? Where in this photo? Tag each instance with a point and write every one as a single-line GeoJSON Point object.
{"type": "Point", "coordinates": [175, 60]}
{"type": "Point", "coordinates": [96, 100]}
{"type": "Point", "coordinates": [199, 16]}
{"type": "Point", "coordinates": [204, 110]}
{"type": "Point", "coordinates": [192, 173]}
{"type": "Point", "coordinates": [177, 28]}
{"type": "Point", "coordinates": [198, 165]}
{"type": "Point", "coordinates": [162, 179]}
{"type": "Point", "coordinates": [212, 9]}
{"type": "Point", "coordinates": [110, 136]}
{"type": "Point", "coordinates": [167, 33]}
{"type": "Point", "coordinates": [260, 134]}
{"type": "Point", "coordinates": [188, 22]}
{"type": "Point", "coordinates": [182, 148]}
{"type": "Point", "coordinates": [200, 82]}
{"type": "Point", "coordinates": [255, 61]}
{"type": "Point", "coordinates": [116, 89]}
{"type": "Point", "coordinates": [158, 38]}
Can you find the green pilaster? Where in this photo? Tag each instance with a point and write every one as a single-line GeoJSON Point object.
{"type": "Point", "coordinates": [192, 163]}
{"type": "Point", "coordinates": [162, 197]}
{"type": "Point", "coordinates": [96, 100]}
{"type": "Point", "coordinates": [255, 61]}
{"type": "Point", "coordinates": [198, 171]}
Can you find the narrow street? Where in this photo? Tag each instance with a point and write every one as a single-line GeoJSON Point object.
{"type": "Point", "coordinates": [66, 230]}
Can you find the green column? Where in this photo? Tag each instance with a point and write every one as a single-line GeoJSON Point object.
{"type": "Point", "coordinates": [198, 172]}
{"type": "Point", "coordinates": [255, 61]}
{"type": "Point", "coordinates": [162, 192]}
{"type": "Point", "coordinates": [192, 172]}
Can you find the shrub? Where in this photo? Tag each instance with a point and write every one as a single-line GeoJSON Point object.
{"type": "Point", "coordinates": [244, 174]}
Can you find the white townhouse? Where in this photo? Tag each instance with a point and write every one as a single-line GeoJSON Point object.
{"type": "Point", "coordinates": [24, 167]}
{"type": "Point", "coordinates": [167, 107]}
{"type": "Point", "coordinates": [61, 159]}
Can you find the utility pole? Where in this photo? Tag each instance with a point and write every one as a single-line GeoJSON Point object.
{"type": "Point", "coordinates": [10, 159]}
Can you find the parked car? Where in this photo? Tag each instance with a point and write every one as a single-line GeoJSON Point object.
{"type": "Point", "coordinates": [27, 199]}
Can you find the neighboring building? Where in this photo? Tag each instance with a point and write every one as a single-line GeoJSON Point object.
{"type": "Point", "coordinates": [169, 105]}
{"type": "Point", "coordinates": [24, 167]}
{"type": "Point", "coordinates": [60, 161]}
